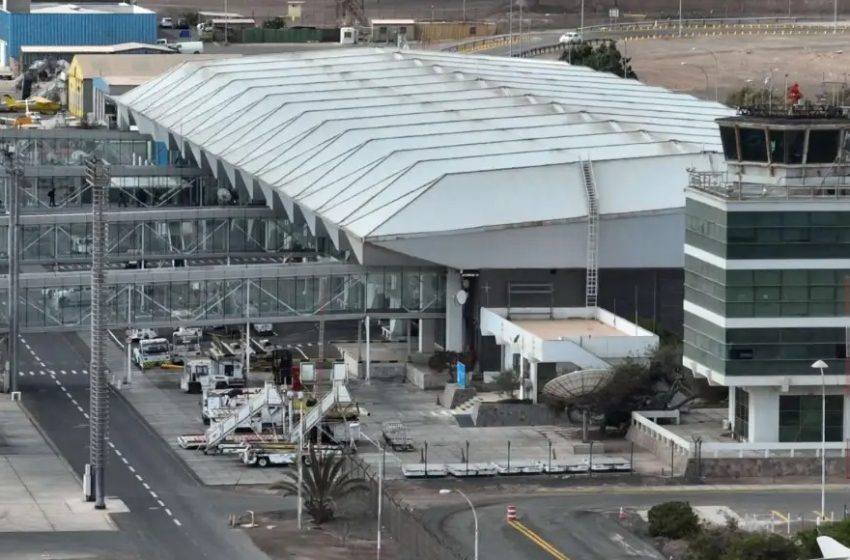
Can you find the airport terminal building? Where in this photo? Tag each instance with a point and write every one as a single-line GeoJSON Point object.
{"type": "Point", "coordinates": [374, 183]}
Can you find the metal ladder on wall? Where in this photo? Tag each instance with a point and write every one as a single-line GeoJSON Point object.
{"type": "Point", "coordinates": [337, 395]}
{"type": "Point", "coordinates": [592, 270]}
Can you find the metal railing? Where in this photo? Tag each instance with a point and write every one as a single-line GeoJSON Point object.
{"type": "Point", "coordinates": [718, 183]}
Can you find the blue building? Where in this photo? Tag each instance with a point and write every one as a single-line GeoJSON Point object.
{"type": "Point", "coordinates": [23, 23]}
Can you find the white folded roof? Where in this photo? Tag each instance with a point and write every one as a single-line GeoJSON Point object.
{"type": "Point", "coordinates": [381, 144]}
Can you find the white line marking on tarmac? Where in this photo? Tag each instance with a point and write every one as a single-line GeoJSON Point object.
{"type": "Point", "coordinates": [42, 372]}
{"type": "Point", "coordinates": [139, 478]}
{"type": "Point", "coordinates": [177, 522]}
{"type": "Point", "coordinates": [146, 485]}
{"type": "Point", "coordinates": [32, 372]}
{"type": "Point", "coordinates": [58, 382]}
{"type": "Point", "coordinates": [86, 414]}
{"type": "Point", "coordinates": [168, 511]}
{"type": "Point", "coordinates": [73, 372]}
{"type": "Point", "coordinates": [118, 453]}
{"type": "Point", "coordinates": [79, 408]}
{"type": "Point", "coordinates": [110, 444]}
{"type": "Point", "coordinates": [155, 497]}
{"type": "Point", "coordinates": [41, 363]}
{"type": "Point", "coordinates": [160, 503]}
{"type": "Point", "coordinates": [64, 390]}
{"type": "Point", "coordinates": [85, 372]}
{"type": "Point", "coordinates": [62, 372]}
{"type": "Point", "coordinates": [132, 470]}
{"type": "Point", "coordinates": [125, 460]}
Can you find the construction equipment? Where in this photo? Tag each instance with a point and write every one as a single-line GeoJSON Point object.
{"type": "Point", "coordinates": [185, 344]}
{"type": "Point", "coordinates": [35, 104]}
{"type": "Point", "coordinates": [151, 353]}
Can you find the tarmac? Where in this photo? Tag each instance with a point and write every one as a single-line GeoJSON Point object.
{"type": "Point", "coordinates": [38, 491]}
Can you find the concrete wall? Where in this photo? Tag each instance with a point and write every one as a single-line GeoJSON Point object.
{"type": "Point", "coordinates": [765, 468]}
{"type": "Point", "coordinates": [661, 449]}
{"type": "Point", "coordinates": [489, 415]}
{"type": "Point", "coordinates": [421, 376]}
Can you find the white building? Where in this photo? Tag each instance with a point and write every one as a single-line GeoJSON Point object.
{"type": "Point", "coordinates": [485, 166]}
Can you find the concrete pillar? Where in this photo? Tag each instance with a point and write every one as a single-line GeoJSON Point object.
{"type": "Point", "coordinates": [454, 312]}
{"type": "Point", "coordinates": [507, 356]}
{"type": "Point", "coordinates": [731, 411]}
{"type": "Point", "coordinates": [521, 376]}
{"type": "Point", "coordinates": [846, 433]}
{"type": "Point", "coordinates": [368, 349]}
{"type": "Point", "coordinates": [532, 370]}
{"type": "Point", "coordinates": [763, 414]}
{"type": "Point", "coordinates": [427, 328]}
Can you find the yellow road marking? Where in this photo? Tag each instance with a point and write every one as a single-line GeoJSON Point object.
{"type": "Point", "coordinates": [538, 540]}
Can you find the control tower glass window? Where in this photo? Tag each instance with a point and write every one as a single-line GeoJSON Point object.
{"type": "Point", "coordinates": [730, 148]}
{"type": "Point", "coordinates": [823, 146]}
{"type": "Point", "coordinates": [795, 144]}
{"type": "Point", "coordinates": [753, 144]}
{"type": "Point", "coordinates": [777, 146]}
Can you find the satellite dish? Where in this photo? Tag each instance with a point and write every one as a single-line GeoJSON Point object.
{"type": "Point", "coordinates": [571, 387]}
{"type": "Point", "coordinates": [461, 296]}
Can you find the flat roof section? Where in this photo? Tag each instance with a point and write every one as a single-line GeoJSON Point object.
{"type": "Point", "coordinates": [556, 329]}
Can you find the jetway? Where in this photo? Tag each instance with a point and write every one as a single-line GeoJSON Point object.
{"type": "Point", "coordinates": [221, 295]}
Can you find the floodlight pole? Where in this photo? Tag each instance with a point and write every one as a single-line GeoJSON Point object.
{"type": "Point", "coordinates": [13, 174]}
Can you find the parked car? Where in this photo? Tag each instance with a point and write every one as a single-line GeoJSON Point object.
{"type": "Point", "coordinates": [166, 23]}
{"type": "Point", "coordinates": [570, 38]}
{"type": "Point", "coordinates": [182, 23]}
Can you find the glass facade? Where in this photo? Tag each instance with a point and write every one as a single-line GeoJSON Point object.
{"type": "Point", "coordinates": [768, 235]}
{"type": "Point", "coordinates": [768, 351]}
{"type": "Point", "coordinates": [801, 417]}
{"type": "Point", "coordinates": [768, 293]}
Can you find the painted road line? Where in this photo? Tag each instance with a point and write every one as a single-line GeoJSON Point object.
{"type": "Point", "coordinates": [139, 478]}
{"type": "Point", "coordinates": [168, 511]}
{"type": "Point", "coordinates": [160, 502]}
{"type": "Point", "coordinates": [132, 470]}
{"type": "Point", "coordinates": [177, 522]}
{"type": "Point", "coordinates": [42, 372]}
{"type": "Point", "coordinates": [73, 372]}
{"type": "Point", "coordinates": [146, 485]}
{"type": "Point", "coordinates": [155, 497]}
{"type": "Point", "coordinates": [86, 414]}
{"type": "Point", "coordinates": [110, 444]}
{"type": "Point", "coordinates": [32, 372]}
{"type": "Point", "coordinates": [538, 540]}
{"type": "Point", "coordinates": [126, 462]}
{"type": "Point", "coordinates": [79, 408]}
{"type": "Point", "coordinates": [62, 372]}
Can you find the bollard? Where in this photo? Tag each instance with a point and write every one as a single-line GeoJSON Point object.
{"type": "Point", "coordinates": [511, 513]}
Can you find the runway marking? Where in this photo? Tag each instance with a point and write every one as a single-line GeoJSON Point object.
{"type": "Point", "coordinates": [58, 383]}
{"type": "Point", "coordinates": [168, 511]}
{"type": "Point", "coordinates": [160, 503]}
{"type": "Point", "coordinates": [177, 522]}
{"type": "Point", "coordinates": [126, 462]}
{"type": "Point", "coordinates": [110, 444]}
{"type": "Point", "coordinates": [73, 401]}
{"type": "Point", "coordinates": [155, 497]}
{"type": "Point", "coordinates": [139, 478]}
{"type": "Point", "coordinates": [73, 372]}
{"type": "Point", "coordinates": [64, 390]}
{"type": "Point", "coordinates": [32, 372]}
{"type": "Point", "coordinates": [42, 364]}
{"type": "Point", "coordinates": [80, 408]}
{"type": "Point", "coordinates": [117, 452]}
{"type": "Point", "coordinates": [42, 372]}
{"type": "Point", "coordinates": [52, 372]}
{"type": "Point", "coordinates": [146, 485]}
{"type": "Point", "coordinates": [132, 470]}
{"type": "Point", "coordinates": [62, 372]}
{"type": "Point", "coordinates": [85, 372]}
{"type": "Point", "coordinates": [538, 540]}
{"type": "Point", "coordinates": [86, 414]}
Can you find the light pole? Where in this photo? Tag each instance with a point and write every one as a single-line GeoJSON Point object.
{"type": "Point", "coordinates": [581, 21]}
{"type": "Point", "coordinates": [680, 17]}
{"type": "Point", "coordinates": [835, 17]}
{"type": "Point", "coordinates": [703, 72]}
{"type": "Point", "coordinates": [511, 28]}
{"type": "Point", "coordinates": [445, 491]}
{"type": "Point", "coordinates": [821, 365]}
{"type": "Point", "coordinates": [716, 68]}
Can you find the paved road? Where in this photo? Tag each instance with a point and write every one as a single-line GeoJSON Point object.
{"type": "Point", "coordinates": [573, 524]}
{"type": "Point", "coordinates": [171, 516]}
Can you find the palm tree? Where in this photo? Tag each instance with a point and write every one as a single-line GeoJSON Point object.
{"type": "Point", "coordinates": [323, 483]}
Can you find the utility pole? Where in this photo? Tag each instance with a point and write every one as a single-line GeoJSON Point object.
{"type": "Point", "coordinates": [97, 177]}
{"type": "Point", "coordinates": [13, 175]}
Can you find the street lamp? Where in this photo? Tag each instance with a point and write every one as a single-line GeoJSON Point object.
{"type": "Point", "coordinates": [445, 491]}
{"type": "Point", "coordinates": [821, 365]}
{"type": "Point", "coordinates": [704, 73]}
{"type": "Point", "coordinates": [716, 68]}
